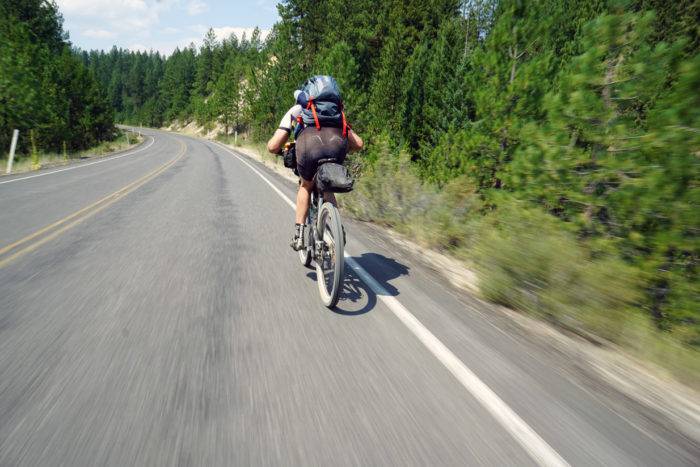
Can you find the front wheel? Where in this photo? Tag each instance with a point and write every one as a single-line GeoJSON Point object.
{"type": "Point", "coordinates": [330, 261]}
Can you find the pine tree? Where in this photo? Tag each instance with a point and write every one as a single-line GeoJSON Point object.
{"type": "Point", "coordinates": [205, 64]}
{"type": "Point", "coordinates": [339, 63]}
{"type": "Point", "coordinates": [226, 98]}
{"type": "Point", "coordinates": [178, 83]}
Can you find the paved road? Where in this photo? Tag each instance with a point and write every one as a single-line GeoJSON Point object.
{"type": "Point", "coordinates": [169, 323]}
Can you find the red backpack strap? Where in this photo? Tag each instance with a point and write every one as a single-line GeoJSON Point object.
{"type": "Point", "coordinates": [312, 106]}
{"type": "Point", "coordinates": [345, 125]}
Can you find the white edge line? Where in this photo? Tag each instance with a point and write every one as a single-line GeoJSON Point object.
{"type": "Point", "coordinates": [533, 444]}
{"type": "Point", "coordinates": [83, 165]}
{"type": "Point", "coordinates": [277, 190]}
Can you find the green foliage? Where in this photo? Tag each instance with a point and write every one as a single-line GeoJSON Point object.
{"type": "Point", "coordinates": [34, 154]}
{"type": "Point", "coordinates": [226, 98]}
{"type": "Point", "coordinates": [527, 261]}
{"type": "Point", "coordinates": [205, 71]}
{"type": "Point", "coordinates": [44, 85]}
{"type": "Point", "coordinates": [220, 82]}
{"type": "Point", "coordinates": [388, 190]}
{"type": "Point", "coordinates": [615, 157]}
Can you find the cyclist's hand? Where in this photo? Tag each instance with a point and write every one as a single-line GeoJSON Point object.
{"type": "Point", "coordinates": [287, 147]}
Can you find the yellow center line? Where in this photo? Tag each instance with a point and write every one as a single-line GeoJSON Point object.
{"type": "Point", "coordinates": [88, 212]}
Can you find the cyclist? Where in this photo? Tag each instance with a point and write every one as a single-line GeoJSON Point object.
{"type": "Point", "coordinates": [333, 139]}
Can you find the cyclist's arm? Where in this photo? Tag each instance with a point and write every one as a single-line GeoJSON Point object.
{"type": "Point", "coordinates": [276, 143]}
{"type": "Point", "coordinates": [355, 143]}
{"type": "Point", "coordinates": [281, 135]}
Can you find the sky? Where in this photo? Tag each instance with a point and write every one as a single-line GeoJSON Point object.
{"type": "Point", "coordinates": [161, 25]}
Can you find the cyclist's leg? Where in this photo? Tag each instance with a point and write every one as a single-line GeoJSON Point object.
{"type": "Point", "coordinates": [302, 210]}
{"type": "Point", "coordinates": [303, 200]}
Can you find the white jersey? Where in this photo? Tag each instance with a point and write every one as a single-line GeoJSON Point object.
{"type": "Point", "coordinates": [290, 118]}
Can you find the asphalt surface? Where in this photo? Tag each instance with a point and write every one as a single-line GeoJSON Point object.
{"type": "Point", "coordinates": [171, 324]}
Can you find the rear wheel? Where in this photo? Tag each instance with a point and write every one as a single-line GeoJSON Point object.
{"type": "Point", "coordinates": [330, 262]}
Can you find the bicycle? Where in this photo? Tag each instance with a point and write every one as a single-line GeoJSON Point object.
{"type": "Point", "coordinates": [325, 242]}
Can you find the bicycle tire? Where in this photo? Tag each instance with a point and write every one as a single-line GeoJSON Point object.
{"type": "Point", "coordinates": [305, 255]}
{"type": "Point", "coordinates": [329, 230]}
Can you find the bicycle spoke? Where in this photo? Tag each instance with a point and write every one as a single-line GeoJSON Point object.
{"type": "Point", "coordinates": [328, 259]}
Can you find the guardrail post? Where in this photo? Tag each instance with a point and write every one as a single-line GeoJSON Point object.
{"type": "Point", "coordinates": [13, 146]}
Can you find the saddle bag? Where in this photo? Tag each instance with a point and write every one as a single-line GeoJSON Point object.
{"type": "Point", "coordinates": [334, 178]}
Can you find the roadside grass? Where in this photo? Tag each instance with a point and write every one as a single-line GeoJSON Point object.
{"type": "Point", "coordinates": [27, 162]}
{"type": "Point", "coordinates": [524, 258]}
{"type": "Point", "coordinates": [231, 140]}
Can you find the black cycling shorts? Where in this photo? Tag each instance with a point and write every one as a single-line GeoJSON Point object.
{"type": "Point", "coordinates": [312, 145]}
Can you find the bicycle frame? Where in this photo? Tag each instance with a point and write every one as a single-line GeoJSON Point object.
{"type": "Point", "coordinates": [315, 205]}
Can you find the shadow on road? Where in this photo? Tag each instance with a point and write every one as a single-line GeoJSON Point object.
{"type": "Point", "coordinates": [357, 298]}
{"type": "Point", "coordinates": [383, 270]}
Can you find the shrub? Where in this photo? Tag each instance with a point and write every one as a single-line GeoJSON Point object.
{"type": "Point", "coordinates": [527, 259]}
{"type": "Point", "coordinates": [388, 191]}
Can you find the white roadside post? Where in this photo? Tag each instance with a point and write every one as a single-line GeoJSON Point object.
{"type": "Point", "coordinates": [13, 146]}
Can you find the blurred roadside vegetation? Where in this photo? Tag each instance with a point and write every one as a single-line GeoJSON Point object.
{"type": "Point", "coordinates": [552, 144]}
{"type": "Point", "coordinates": [525, 259]}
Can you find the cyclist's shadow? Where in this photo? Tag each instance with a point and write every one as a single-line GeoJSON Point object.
{"type": "Point", "coordinates": [356, 297]}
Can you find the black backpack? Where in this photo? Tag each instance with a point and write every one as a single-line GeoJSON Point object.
{"type": "Point", "coordinates": [322, 103]}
